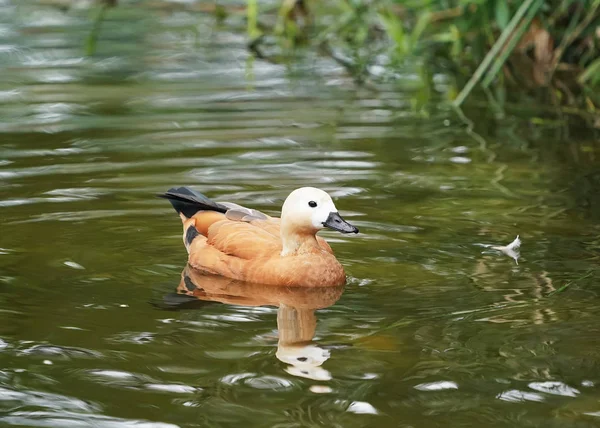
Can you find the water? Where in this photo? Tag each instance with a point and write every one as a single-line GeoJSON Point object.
{"type": "Point", "coordinates": [435, 327]}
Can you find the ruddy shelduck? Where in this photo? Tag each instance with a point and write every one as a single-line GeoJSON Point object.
{"type": "Point", "coordinates": [227, 239]}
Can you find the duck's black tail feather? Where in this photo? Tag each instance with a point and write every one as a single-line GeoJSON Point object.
{"type": "Point", "coordinates": [189, 202]}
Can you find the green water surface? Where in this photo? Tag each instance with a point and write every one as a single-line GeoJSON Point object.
{"type": "Point", "coordinates": [435, 327]}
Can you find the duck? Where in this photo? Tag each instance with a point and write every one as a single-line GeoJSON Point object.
{"type": "Point", "coordinates": [229, 240]}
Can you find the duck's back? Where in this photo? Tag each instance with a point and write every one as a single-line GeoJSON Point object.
{"type": "Point", "coordinates": [246, 240]}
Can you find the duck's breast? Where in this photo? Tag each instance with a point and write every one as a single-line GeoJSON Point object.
{"type": "Point", "coordinates": [303, 270]}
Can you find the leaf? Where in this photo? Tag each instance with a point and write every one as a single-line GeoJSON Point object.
{"type": "Point", "coordinates": [568, 284]}
{"type": "Point", "coordinates": [420, 26]}
{"type": "Point", "coordinates": [457, 43]}
{"type": "Point", "coordinates": [592, 71]}
{"type": "Point", "coordinates": [395, 31]}
{"type": "Point", "coordinates": [502, 13]}
{"type": "Point", "coordinates": [252, 17]}
{"type": "Point", "coordinates": [543, 49]}
{"type": "Point", "coordinates": [90, 42]}
{"type": "Point", "coordinates": [444, 37]}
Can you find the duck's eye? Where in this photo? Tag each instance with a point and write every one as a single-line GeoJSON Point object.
{"type": "Point", "coordinates": [312, 204]}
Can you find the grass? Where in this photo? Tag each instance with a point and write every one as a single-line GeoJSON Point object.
{"type": "Point", "coordinates": [541, 47]}
{"type": "Point", "coordinates": [568, 284]}
{"type": "Point", "coordinates": [502, 48]}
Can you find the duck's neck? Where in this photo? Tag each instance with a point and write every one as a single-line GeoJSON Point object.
{"type": "Point", "coordinates": [297, 242]}
{"type": "Point", "coordinates": [295, 325]}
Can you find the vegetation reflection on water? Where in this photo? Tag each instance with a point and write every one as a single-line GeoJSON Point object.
{"type": "Point", "coordinates": [435, 327]}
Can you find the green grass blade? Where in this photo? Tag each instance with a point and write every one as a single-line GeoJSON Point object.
{"type": "Point", "coordinates": [420, 27]}
{"type": "Point", "coordinates": [568, 284]}
{"type": "Point", "coordinates": [500, 60]}
{"type": "Point", "coordinates": [592, 70]}
{"type": "Point", "coordinates": [395, 31]}
{"type": "Point", "coordinates": [493, 52]}
{"type": "Point", "coordinates": [91, 41]}
{"type": "Point", "coordinates": [252, 17]}
{"type": "Point", "coordinates": [502, 13]}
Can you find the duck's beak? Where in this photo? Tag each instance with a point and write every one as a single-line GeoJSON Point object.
{"type": "Point", "coordinates": [336, 222]}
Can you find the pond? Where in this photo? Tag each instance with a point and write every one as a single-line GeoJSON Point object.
{"type": "Point", "coordinates": [435, 326]}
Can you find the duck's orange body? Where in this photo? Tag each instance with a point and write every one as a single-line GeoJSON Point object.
{"type": "Point", "coordinates": [250, 246]}
{"type": "Point", "coordinates": [251, 251]}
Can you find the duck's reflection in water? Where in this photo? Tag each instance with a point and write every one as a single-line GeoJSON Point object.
{"type": "Point", "coordinates": [296, 327]}
{"type": "Point", "coordinates": [296, 319]}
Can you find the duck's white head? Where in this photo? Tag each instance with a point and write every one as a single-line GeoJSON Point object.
{"type": "Point", "coordinates": [304, 360]}
{"type": "Point", "coordinates": [308, 210]}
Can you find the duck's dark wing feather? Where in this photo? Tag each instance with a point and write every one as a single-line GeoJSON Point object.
{"type": "Point", "coordinates": [189, 202]}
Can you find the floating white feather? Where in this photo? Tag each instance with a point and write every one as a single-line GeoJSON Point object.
{"type": "Point", "coordinates": [512, 249]}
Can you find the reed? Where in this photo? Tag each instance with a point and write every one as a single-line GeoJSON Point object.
{"type": "Point", "coordinates": [547, 48]}
{"type": "Point", "coordinates": [528, 45]}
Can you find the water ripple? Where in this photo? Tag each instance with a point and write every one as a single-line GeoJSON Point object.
{"type": "Point", "coordinates": [173, 388]}
{"type": "Point", "coordinates": [138, 338]}
{"type": "Point", "coordinates": [62, 352]}
{"type": "Point", "coordinates": [258, 382]}
{"type": "Point", "coordinates": [554, 388]}
{"type": "Point", "coordinates": [44, 400]}
{"type": "Point", "coordinates": [76, 420]}
{"type": "Point", "coordinates": [516, 396]}
{"type": "Point", "coordinates": [173, 98]}
{"type": "Point", "coordinates": [436, 386]}
{"type": "Point", "coordinates": [116, 378]}
{"type": "Point", "coordinates": [362, 407]}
